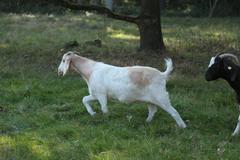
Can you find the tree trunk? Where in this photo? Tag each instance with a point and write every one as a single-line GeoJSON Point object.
{"type": "Point", "coordinates": [150, 26]}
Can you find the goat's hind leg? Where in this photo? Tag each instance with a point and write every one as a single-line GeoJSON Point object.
{"type": "Point", "coordinates": [86, 101]}
{"type": "Point", "coordinates": [103, 102]}
{"type": "Point", "coordinates": [165, 104]}
{"type": "Point", "coordinates": [152, 109]}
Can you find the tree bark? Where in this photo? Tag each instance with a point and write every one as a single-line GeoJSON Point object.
{"type": "Point", "coordinates": [150, 26]}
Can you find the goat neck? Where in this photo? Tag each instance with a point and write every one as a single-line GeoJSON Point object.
{"type": "Point", "coordinates": [235, 84]}
{"type": "Point", "coordinates": [83, 66]}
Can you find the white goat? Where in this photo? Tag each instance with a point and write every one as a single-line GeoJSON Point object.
{"type": "Point", "coordinates": [126, 84]}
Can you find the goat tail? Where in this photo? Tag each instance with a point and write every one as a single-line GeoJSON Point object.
{"type": "Point", "coordinates": [169, 67]}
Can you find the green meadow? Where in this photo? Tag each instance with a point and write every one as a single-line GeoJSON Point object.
{"type": "Point", "coordinates": [42, 116]}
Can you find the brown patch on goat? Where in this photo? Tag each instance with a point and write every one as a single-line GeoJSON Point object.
{"type": "Point", "coordinates": [83, 66]}
{"type": "Point", "coordinates": [141, 76]}
{"type": "Point", "coordinates": [87, 74]}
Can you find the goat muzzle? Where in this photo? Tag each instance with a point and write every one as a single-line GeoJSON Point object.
{"type": "Point", "coordinates": [60, 73]}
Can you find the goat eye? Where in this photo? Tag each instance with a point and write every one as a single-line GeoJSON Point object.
{"type": "Point", "coordinates": [63, 61]}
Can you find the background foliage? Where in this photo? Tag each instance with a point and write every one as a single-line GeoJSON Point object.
{"type": "Point", "coordinates": [41, 114]}
{"type": "Point", "coordinates": [194, 8]}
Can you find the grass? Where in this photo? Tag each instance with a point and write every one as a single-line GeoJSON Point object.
{"type": "Point", "coordinates": [42, 117]}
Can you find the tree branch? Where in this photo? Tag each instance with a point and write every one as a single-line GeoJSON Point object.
{"type": "Point", "coordinates": [100, 10]}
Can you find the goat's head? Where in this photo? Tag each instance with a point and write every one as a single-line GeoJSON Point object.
{"type": "Point", "coordinates": [65, 63]}
{"type": "Point", "coordinates": [222, 66]}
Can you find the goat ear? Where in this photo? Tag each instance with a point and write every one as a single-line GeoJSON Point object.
{"type": "Point", "coordinates": [77, 52]}
{"type": "Point", "coordinates": [66, 65]}
{"type": "Point", "coordinates": [234, 76]}
{"type": "Point", "coordinates": [233, 72]}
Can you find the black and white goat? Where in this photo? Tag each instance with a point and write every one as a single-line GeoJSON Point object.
{"type": "Point", "coordinates": [226, 66]}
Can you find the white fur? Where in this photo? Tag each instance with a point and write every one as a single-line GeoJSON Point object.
{"type": "Point", "coordinates": [108, 81]}
{"type": "Point", "coordinates": [237, 129]}
{"type": "Point", "coordinates": [212, 61]}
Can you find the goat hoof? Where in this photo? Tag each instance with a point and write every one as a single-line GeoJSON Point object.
{"type": "Point", "coordinates": [106, 113]}
{"type": "Point", "coordinates": [148, 120]}
{"type": "Point", "coordinates": [234, 134]}
{"type": "Point", "coordinates": [93, 114]}
{"type": "Point", "coordinates": [183, 126]}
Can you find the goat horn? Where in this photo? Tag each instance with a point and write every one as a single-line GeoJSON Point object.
{"type": "Point", "coordinates": [222, 55]}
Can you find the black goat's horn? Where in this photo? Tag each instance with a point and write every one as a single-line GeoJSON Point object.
{"type": "Point", "coordinates": [219, 54]}
{"type": "Point", "coordinates": [229, 55]}
{"type": "Point", "coordinates": [225, 54]}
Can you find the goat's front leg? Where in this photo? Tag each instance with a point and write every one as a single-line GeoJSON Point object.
{"type": "Point", "coordinates": [86, 101]}
{"type": "Point", "coordinates": [152, 109]}
{"type": "Point", "coordinates": [103, 102]}
{"type": "Point", "coordinates": [237, 129]}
